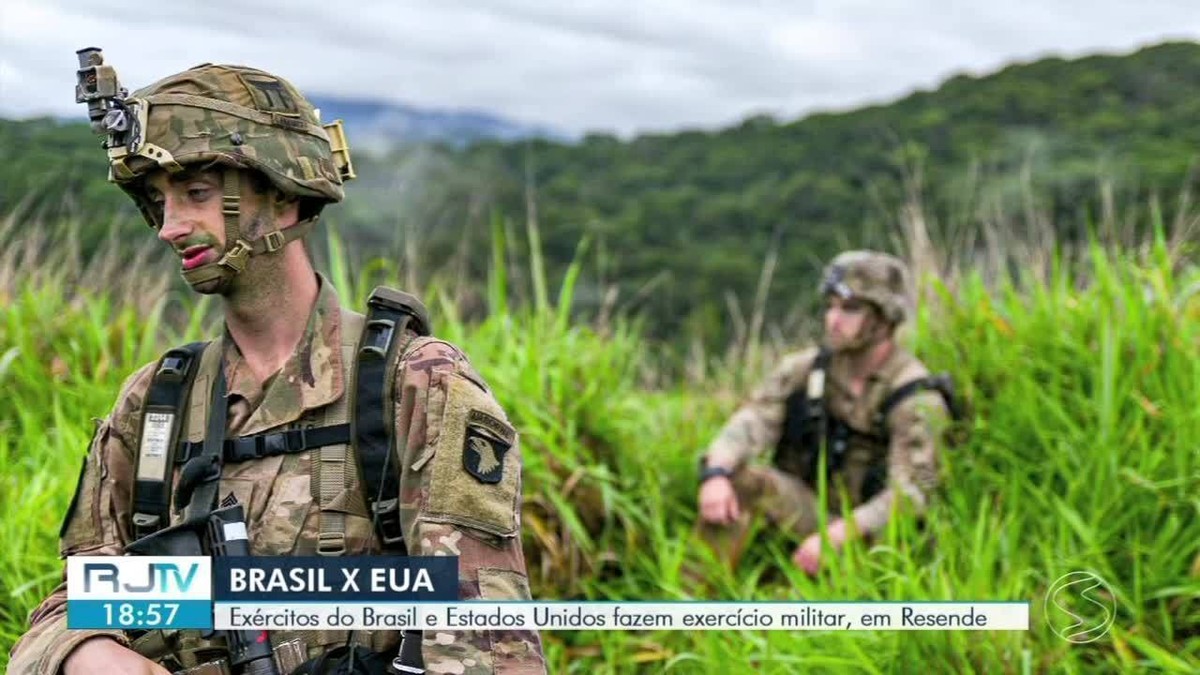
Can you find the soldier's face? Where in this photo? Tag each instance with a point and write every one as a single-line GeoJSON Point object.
{"type": "Point", "coordinates": [190, 210]}
{"type": "Point", "coordinates": [193, 224]}
{"type": "Point", "coordinates": [846, 321]}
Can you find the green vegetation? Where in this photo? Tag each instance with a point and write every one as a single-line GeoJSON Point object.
{"type": "Point", "coordinates": [644, 284]}
{"type": "Point", "coordinates": [1082, 373]}
{"type": "Point", "coordinates": [680, 223]}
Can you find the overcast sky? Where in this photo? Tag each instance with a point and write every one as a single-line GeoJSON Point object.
{"type": "Point", "coordinates": [650, 65]}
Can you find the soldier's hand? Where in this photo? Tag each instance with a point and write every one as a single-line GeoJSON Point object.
{"type": "Point", "coordinates": [808, 555]}
{"type": "Point", "coordinates": [718, 502]}
{"type": "Point", "coordinates": [106, 655]}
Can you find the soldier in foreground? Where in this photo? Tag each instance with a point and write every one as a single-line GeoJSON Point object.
{"type": "Point", "coordinates": [231, 167]}
{"type": "Point", "coordinates": [859, 406]}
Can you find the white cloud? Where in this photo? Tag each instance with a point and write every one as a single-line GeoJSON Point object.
{"type": "Point", "coordinates": [651, 65]}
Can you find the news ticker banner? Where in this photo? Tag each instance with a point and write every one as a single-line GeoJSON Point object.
{"type": "Point", "coordinates": [421, 593]}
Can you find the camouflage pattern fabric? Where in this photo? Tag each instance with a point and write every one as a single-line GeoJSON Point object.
{"type": "Point", "coordinates": [914, 427]}
{"type": "Point", "coordinates": [234, 116]}
{"type": "Point", "coordinates": [786, 501]}
{"type": "Point", "coordinates": [439, 402]}
{"type": "Point", "coordinates": [878, 278]}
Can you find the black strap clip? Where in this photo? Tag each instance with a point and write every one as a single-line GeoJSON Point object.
{"type": "Point", "coordinates": [387, 515]}
{"type": "Point", "coordinates": [196, 472]}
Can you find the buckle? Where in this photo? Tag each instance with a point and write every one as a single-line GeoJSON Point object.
{"type": "Point", "coordinates": [387, 521]}
{"type": "Point", "coordinates": [145, 523]}
{"type": "Point", "coordinates": [187, 450]}
{"type": "Point", "coordinates": [378, 337]}
{"type": "Point", "coordinates": [331, 543]}
{"type": "Point", "coordinates": [274, 240]}
{"type": "Point", "coordinates": [274, 444]}
{"type": "Point", "coordinates": [173, 367]}
{"type": "Point", "coordinates": [297, 439]}
{"type": "Point", "coordinates": [237, 255]}
{"type": "Point", "coordinates": [243, 449]}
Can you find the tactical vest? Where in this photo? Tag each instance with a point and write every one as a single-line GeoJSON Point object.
{"type": "Point", "coordinates": [352, 438]}
{"type": "Point", "coordinates": [810, 430]}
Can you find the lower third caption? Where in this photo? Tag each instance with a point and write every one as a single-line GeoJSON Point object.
{"type": "Point", "coordinates": [550, 615]}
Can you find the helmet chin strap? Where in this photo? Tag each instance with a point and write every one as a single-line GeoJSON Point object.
{"type": "Point", "coordinates": [238, 250]}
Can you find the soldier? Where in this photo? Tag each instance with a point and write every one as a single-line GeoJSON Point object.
{"type": "Point", "coordinates": [231, 166]}
{"type": "Point", "coordinates": [860, 405]}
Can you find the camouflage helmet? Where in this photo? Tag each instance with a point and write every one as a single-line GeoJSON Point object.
{"type": "Point", "coordinates": [878, 278]}
{"type": "Point", "coordinates": [239, 117]}
{"type": "Point", "coordinates": [235, 116]}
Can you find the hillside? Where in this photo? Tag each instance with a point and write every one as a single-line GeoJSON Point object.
{"type": "Point", "coordinates": [678, 221]}
{"type": "Point", "coordinates": [385, 126]}
{"type": "Point", "coordinates": [706, 206]}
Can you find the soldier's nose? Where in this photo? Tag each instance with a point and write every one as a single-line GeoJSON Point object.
{"type": "Point", "coordinates": [173, 227]}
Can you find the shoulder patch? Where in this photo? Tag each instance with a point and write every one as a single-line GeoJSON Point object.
{"type": "Point", "coordinates": [485, 443]}
{"type": "Point", "coordinates": [474, 478]}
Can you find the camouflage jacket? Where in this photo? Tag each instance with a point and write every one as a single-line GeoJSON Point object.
{"type": "Point", "coordinates": [444, 510]}
{"type": "Point", "coordinates": [914, 427]}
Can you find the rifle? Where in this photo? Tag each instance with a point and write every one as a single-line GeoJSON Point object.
{"type": "Point", "coordinates": [222, 533]}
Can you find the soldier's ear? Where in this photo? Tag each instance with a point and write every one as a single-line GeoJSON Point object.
{"type": "Point", "coordinates": [285, 206]}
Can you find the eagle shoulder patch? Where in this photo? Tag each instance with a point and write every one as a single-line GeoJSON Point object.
{"type": "Point", "coordinates": [474, 478]}
{"type": "Point", "coordinates": [485, 443]}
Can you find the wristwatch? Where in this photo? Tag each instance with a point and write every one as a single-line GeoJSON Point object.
{"type": "Point", "coordinates": [707, 472]}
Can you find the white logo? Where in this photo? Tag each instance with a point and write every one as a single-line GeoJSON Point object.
{"type": "Point", "coordinates": [1080, 607]}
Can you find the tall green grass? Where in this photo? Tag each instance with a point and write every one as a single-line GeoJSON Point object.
{"type": "Point", "coordinates": [1082, 380]}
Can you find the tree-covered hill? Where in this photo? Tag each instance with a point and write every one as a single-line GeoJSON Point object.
{"type": "Point", "coordinates": [687, 218]}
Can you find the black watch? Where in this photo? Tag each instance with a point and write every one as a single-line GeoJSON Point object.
{"type": "Point", "coordinates": [707, 472]}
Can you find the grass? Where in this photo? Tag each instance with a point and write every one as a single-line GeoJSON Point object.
{"type": "Point", "coordinates": [1082, 376]}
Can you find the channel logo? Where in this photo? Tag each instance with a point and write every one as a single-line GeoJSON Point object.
{"type": "Point", "coordinates": [139, 592]}
{"type": "Point", "coordinates": [166, 578]}
{"type": "Point", "coordinates": [140, 577]}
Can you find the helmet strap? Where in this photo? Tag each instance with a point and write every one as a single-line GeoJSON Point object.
{"type": "Point", "coordinates": [239, 252]}
{"type": "Point", "coordinates": [236, 249]}
{"type": "Point", "coordinates": [275, 239]}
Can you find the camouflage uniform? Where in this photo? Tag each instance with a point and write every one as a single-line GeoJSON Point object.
{"type": "Point", "coordinates": [445, 511]}
{"type": "Point", "coordinates": [790, 501]}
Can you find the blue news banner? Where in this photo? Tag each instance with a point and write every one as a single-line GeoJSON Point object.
{"type": "Point", "coordinates": [168, 592]}
{"type": "Point", "coordinates": [398, 593]}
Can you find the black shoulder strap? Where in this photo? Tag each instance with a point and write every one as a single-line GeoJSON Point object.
{"type": "Point", "coordinates": [817, 400]}
{"type": "Point", "coordinates": [200, 477]}
{"type": "Point", "coordinates": [825, 354]}
{"type": "Point", "coordinates": [389, 314]}
{"type": "Point", "coordinates": [804, 421]}
{"type": "Point", "coordinates": [821, 362]}
{"type": "Point", "coordinates": [269, 444]}
{"type": "Point", "coordinates": [940, 383]}
{"type": "Point", "coordinates": [163, 415]}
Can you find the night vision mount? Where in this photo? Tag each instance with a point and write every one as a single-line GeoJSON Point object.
{"type": "Point", "coordinates": [109, 110]}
